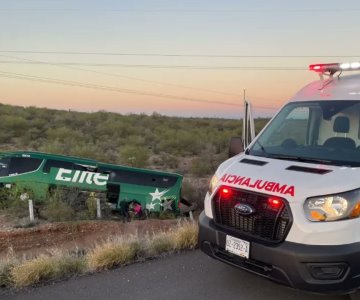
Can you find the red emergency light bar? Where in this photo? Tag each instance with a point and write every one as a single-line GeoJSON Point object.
{"type": "Point", "coordinates": [334, 67]}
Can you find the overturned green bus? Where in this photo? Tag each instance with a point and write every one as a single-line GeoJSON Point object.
{"type": "Point", "coordinates": [154, 191]}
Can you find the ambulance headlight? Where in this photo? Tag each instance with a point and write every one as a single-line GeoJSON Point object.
{"type": "Point", "coordinates": [213, 183]}
{"type": "Point", "coordinates": [333, 207]}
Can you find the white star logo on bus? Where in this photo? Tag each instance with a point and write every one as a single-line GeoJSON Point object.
{"type": "Point", "coordinates": [157, 195]}
{"type": "Point", "coordinates": [167, 205]}
{"type": "Point", "coordinates": [150, 206]}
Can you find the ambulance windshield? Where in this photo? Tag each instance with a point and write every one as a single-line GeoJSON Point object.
{"type": "Point", "coordinates": [326, 132]}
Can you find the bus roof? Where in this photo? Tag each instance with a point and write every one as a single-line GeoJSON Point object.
{"type": "Point", "coordinates": [113, 166]}
{"type": "Point", "coordinates": [79, 160]}
{"type": "Point", "coordinates": [43, 155]}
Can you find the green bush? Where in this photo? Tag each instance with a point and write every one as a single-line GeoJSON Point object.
{"type": "Point", "coordinates": [168, 160]}
{"type": "Point", "coordinates": [15, 201]}
{"type": "Point", "coordinates": [201, 167]}
{"type": "Point", "coordinates": [56, 209]}
{"type": "Point", "coordinates": [135, 156]}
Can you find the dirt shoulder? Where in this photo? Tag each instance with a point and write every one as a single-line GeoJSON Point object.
{"type": "Point", "coordinates": [72, 235]}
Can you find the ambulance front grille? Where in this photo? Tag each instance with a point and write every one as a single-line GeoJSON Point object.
{"type": "Point", "coordinates": [270, 221]}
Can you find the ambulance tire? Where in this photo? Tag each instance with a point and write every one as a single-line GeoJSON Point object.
{"type": "Point", "coordinates": [355, 296]}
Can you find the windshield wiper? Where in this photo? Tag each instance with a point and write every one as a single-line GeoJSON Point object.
{"type": "Point", "coordinates": [300, 159]}
{"type": "Point", "coordinates": [261, 147]}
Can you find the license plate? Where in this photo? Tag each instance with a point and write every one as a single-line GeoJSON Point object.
{"type": "Point", "coordinates": [237, 246]}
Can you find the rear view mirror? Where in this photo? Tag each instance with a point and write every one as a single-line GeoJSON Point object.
{"type": "Point", "coordinates": [236, 146]}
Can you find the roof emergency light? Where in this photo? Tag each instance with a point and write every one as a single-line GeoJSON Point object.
{"type": "Point", "coordinates": [334, 67]}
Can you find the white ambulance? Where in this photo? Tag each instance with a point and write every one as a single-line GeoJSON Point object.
{"type": "Point", "coordinates": [287, 207]}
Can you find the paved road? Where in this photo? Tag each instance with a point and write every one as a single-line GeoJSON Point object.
{"type": "Point", "coordinates": [190, 275]}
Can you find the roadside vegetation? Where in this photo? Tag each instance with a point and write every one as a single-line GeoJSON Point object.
{"type": "Point", "coordinates": [118, 251]}
{"type": "Point", "coordinates": [193, 147]}
{"type": "Point", "coordinates": [185, 145]}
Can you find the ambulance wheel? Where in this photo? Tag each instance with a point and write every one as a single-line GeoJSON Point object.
{"type": "Point", "coordinates": [355, 295]}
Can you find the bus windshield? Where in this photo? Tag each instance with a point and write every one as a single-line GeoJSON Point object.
{"type": "Point", "coordinates": [326, 132]}
{"type": "Point", "coordinates": [4, 166]}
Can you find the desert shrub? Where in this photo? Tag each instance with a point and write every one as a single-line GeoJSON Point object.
{"type": "Point", "coordinates": [5, 274]}
{"type": "Point", "coordinates": [201, 167]}
{"type": "Point", "coordinates": [53, 146]}
{"type": "Point", "coordinates": [134, 156]}
{"type": "Point", "coordinates": [15, 201]}
{"type": "Point", "coordinates": [117, 252]}
{"type": "Point", "coordinates": [4, 198]}
{"type": "Point", "coordinates": [113, 253]}
{"type": "Point", "coordinates": [44, 267]}
{"type": "Point", "coordinates": [69, 265]}
{"type": "Point", "coordinates": [33, 271]}
{"type": "Point", "coordinates": [56, 209]}
{"type": "Point", "coordinates": [181, 142]}
{"type": "Point", "coordinates": [159, 244]}
{"type": "Point", "coordinates": [194, 191]}
{"type": "Point", "coordinates": [85, 150]}
{"type": "Point", "coordinates": [168, 160]}
{"type": "Point", "coordinates": [69, 132]}
{"type": "Point", "coordinates": [188, 190]}
{"type": "Point", "coordinates": [5, 136]}
{"type": "Point", "coordinates": [186, 236]}
{"type": "Point", "coordinates": [14, 124]}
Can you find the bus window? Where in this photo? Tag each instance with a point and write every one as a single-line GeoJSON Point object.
{"type": "Point", "coordinates": [20, 165]}
{"type": "Point", "coordinates": [140, 178]}
{"type": "Point", "coordinates": [53, 163]}
{"type": "Point", "coordinates": [81, 167]}
{"type": "Point", "coordinates": [4, 166]}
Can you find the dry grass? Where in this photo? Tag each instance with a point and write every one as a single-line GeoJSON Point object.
{"type": "Point", "coordinates": [123, 251]}
{"type": "Point", "coordinates": [159, 244]}
{"type": "Point", "coordinates": [185, 236]}
{"type": "Point", "coordinates": [45, 268]}
{"type": "Point", "coordinates": [6, 267]}
{"type": "Point", "coordinates": [5, 274]}
{"type": "Point", "coordinates": [112, 253]}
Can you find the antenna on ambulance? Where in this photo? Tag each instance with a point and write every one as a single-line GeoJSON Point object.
{"type": "Point", "coordinates": [248, 132]}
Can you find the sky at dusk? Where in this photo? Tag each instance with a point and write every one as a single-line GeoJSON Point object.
{"type": "Point", "coordinates": [183, 58]}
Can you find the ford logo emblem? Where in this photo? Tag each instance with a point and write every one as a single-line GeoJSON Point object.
{"type": "Point", "coordinates": [244, 209]}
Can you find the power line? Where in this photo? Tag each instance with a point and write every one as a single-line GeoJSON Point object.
{"type": "Point", "coordinates": [112, 89]}
{"type": "Point", "coordinates": [192, 67]}
{"type": "Point", "coordinates": [107, 88]}
{"type": "Point", "coordinates": [126, 77]}
{"type": "Point", "coordinates": [175, 54]}
{"type": "Point", "coordinates": [133, 78]}
{"type": "Point", "coordinates": [241, 11]}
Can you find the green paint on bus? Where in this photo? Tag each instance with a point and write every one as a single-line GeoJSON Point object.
{"type": "Point", "coordinates": [155, 191]}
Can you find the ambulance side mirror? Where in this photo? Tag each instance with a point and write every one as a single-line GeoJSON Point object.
{"type": "Point", "coordinates": [236, 146]}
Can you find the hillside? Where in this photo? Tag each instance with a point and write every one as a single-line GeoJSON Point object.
{"type": "Point", "coordinates": [190, 146]}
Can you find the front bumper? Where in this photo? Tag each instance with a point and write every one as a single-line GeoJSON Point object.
{"type": "Point", "coordinates": [296, 265]}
